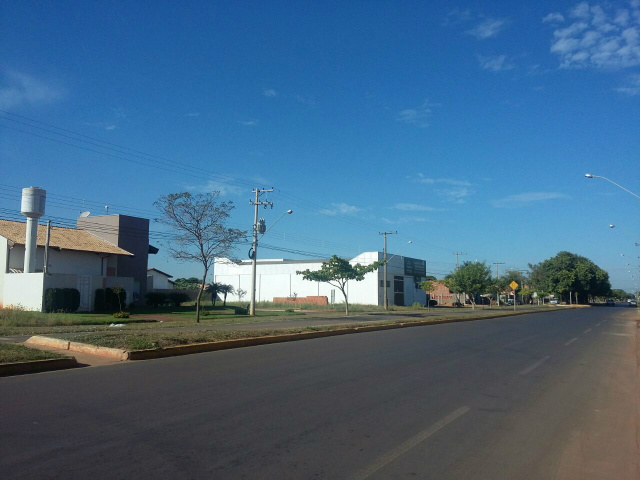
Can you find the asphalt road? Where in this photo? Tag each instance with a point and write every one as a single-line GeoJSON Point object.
{"type": "Point", "coordinates": [542, 396]}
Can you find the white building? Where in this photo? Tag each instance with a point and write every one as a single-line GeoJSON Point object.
{"type": "Point", "coordinates": [158, 280]}
{"type": "Point", "coordinates": [278, 278]}
{"type": "Point", "coordinates": [77, 259]}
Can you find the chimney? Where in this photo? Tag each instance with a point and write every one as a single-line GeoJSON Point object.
{"type": "Point", "coordinates": [32, 207]}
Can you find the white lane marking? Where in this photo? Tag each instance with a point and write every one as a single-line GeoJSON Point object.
{"type": "Point", "coordinates": [570, 341]}
{"type": "Point", "coordinates": [587, 330]}
{"type": "Point", "coordinates": [598, 324]}
{"type": "Point", "coordinates": [534, 366]}
{"type": "Point", "coordinates": [409, 444]}
{"type": "Point", "coordinates": [619, 334]}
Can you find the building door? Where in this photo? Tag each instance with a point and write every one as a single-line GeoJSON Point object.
{"type": "Point", "coordinates": [398, 290]}
{"type": "Point", "coordinates": [85, 293]}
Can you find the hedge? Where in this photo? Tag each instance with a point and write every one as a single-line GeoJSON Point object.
{"type": "Point", "coordinates": [61, 300]}
{"type": "Point", "coordinates": [105, 300]}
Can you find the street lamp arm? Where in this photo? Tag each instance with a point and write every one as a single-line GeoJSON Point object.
{"type": "Point", "coordinates": [288, 212]}
{"type": "Point", "coordinates": [588, 175]}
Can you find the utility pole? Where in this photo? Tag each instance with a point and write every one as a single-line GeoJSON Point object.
{"type": "Point", "coordinates": [497, 288]}
{"type": "Point", "coordinates": [254, 254]}
{"type": "Point", "coordinates": [45, 269]}
{"type": "Point", "coordinates": [384, 282]}
{"type": "Point", "coordinates": [457, 254]}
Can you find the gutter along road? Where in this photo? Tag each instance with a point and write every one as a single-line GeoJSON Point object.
{"type": "Point", "coordinates": [549, 395]}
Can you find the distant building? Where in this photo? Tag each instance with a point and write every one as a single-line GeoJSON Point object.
{"type": "Point", "coordinates": [277, 278]}
{"type": "Point", "coordinates": [158, 280]}
{"type": "Point", "coordinates": [103, 251]}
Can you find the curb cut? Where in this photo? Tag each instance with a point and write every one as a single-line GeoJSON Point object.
{"type": "Point", "coordinates": [60, 344]}
{"type": "Point", "coordinates": [19, 368]}
{"type": "Point", "coordinates": [250, 342]}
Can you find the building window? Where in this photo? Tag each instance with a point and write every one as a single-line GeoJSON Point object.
{"type": "Point", "coordinates": [382, 283]}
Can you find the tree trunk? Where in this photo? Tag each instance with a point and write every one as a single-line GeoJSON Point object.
{"type": "Point", "coordinates": [224, 303]}
{"type": "Point", "coordinates": [346, 302]}
{"type": "Point", "coordinates": [204, 278]}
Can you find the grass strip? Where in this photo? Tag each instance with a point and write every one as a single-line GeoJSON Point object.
{"type": "Point", "coordinates": [150, 339]}
{"type": "Point", "coordinates": [11, 353]}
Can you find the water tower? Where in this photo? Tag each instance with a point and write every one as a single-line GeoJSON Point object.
{"type": "Point", "coordinates": [32, 207]}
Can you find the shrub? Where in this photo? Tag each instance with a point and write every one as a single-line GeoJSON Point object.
{"type": "Point", "coordinates": [61, 300]}
{"type": "Point", "coordinates": [70, 299]}
{"type": "Point", "coordinates": [111, 299]}
{"type": "Point", "coordinates": [99, 304]}
{"type": "Point", "coordinates": [416, 305]}
{"type": "Point", "coordinates": [241, 310]}
{"type": "Point", "coordinates": [121, 315]}
{"type": "Point", "coordinates": [177, 298]}
{"type": "Point", "coordinates": [155, 299]}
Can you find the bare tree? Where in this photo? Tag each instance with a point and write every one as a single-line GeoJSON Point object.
{"type": "Point", "coordinates": [199, 222]}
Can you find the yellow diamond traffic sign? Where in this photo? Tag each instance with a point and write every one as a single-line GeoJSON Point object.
{"type": "Point", "coordinates": [513, 285]}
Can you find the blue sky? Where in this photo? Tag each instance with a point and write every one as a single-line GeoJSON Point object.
{"type": "Point", "coordinates": [465, 127]}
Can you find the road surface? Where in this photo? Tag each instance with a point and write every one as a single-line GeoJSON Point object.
{"type": "Point", "coordinates": [552, 395]}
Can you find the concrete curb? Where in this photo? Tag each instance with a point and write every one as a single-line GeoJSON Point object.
{"type": "Point", "coordinates": [60, 344]}
{"type": "Point", "coordinates": [19, 368]}
{"type": "Point", "coordinates": [249, 342]}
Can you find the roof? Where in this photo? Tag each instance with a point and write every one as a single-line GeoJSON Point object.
{"type": "Point", "coordinates": [160, 271]}
{"type": "Point", "coordinates": [62, 238]}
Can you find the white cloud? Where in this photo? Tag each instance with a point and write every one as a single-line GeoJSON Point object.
{"type": "Point", "coordinates": [631, 86]}
{"type": "Point", "coordinates": [523, 199]}
{"type": "Point", "coordinates": [599, 37]}
{"type": "Point", "coordinates": [457, 16]}
{"type": "Point", "coordinates": [192, 114]}
{"type": "Point", "coordinates": [554, 17]}
{"type": "Point", "coordinates": [249, 123]}
{"type": "Point", "coordinates": [17, 89]}
{"type": "Point", "coordinates": [225, 189]}
{"type": "Point", "coordinates": [488, 28]}
{"type": "Point", "coordinates": [418, 116]}
{"type": "Point", "coordinates": [110, 127]}
{"type": "Point", "coordinates": [269, 92]}
{"type": "Point", "coordinates": [340, 209]}
{"type": "Point", "coordinates": [496, 63]}
{"type": "Point", "coordinates": [454, 194]}
{"type": "Point", "coordinates": [403, 220]}
{"type": "Point", "coordinates": [413, 207]}
{"type": "Point", "coordinates": [420, 178]}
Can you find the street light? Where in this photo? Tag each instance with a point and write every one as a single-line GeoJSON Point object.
{"type": "Point", "coordinates": [588, 175]}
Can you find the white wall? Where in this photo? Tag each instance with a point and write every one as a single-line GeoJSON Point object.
{"type": "Point", "coordinates": [160, 281]}
{"type": "Point", "coordinates": [24, 290]}
{"type": "Point", "coordinates": [278, 278]}
{"type": "Point", "coordinates": [4, 265]}
{"type": "Point", "coordinates": [65, 261]}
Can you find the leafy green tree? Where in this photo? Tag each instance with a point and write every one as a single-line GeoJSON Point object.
{"type": "Point", "coordinates": [191, 283]}
{"type": "Point", "coordinates": [567, 273]}
{"type": "Point", "coordinates": [213, 289]}
{"type": "Point", "coordinates": [473, 278]}
{"type": "Point", "coordinates": [428, 286]}
{"type": "Point", "coordinates": [431, 278]}
{"type": "Point", "coordinates": [199, 223]}
{"type": "Point", "coordinates": [337, 272]}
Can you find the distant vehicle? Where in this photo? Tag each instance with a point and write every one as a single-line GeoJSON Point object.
{"type": "Point", "coordinates": [553, 301]}
{"type": "Point", "coordinates": [610, 302]}
{"type": "Point", "coordinates": [633, 303]}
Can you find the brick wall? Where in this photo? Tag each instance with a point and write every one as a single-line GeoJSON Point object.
{"type": "Point", "coordinates": [322, 300]}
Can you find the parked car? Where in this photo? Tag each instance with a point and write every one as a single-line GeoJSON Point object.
{"type": "Point", "coordinates": [610, 302]}
{"type": "Point", "coordinates": [633, 303]}
{"type": "Point", "coordinates": [553, 301]}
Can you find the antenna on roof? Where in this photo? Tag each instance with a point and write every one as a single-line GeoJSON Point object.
{"type": "Point", "coordinates": [85, 214]}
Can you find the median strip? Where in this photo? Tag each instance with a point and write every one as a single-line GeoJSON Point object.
{"type": "Point", "coordinates": [147, 344]}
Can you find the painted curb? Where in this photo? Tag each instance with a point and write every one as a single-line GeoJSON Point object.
{"type": "Point", "coordinates": [48, 342]}
{"type": "Point", "coordinates": [19, 368]}
{"type": "Point", "coordinates": [61, 344]}
{"type": "Point", "coordinates": [250, 342]}
{"type": "Point", "coordinates": [115, 353]}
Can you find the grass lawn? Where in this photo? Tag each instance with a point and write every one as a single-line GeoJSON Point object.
{"type": "Point", "coordinates": [147, 336]}
{"type": "Point", "coordinates": [11, 352]}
